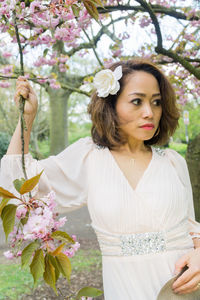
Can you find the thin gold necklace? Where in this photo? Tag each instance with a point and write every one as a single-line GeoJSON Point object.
{"type": "Point", "coordinates": [132, 162]}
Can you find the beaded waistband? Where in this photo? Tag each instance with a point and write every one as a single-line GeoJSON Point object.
{"type": "Point", "coordinates": [142, 243]}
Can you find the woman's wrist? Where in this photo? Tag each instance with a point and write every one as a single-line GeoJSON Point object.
{"type": "Point", "coordinates": [196, 239]}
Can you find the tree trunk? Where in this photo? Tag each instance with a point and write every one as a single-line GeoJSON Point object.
{"type": "Point", "coordinates": [193, 161]}
{"type": "Point", "coordinates": [58, 119]}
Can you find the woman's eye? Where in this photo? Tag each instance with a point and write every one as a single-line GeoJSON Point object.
{"type": "Point", "coordinates": [136, 101]}
{"type": "Point", "coordinates": [157, 102]}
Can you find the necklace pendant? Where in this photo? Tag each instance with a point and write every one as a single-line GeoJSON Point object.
{"type": "Point", "coordinates": [132, 161]}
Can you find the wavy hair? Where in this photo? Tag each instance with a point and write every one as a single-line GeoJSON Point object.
{"type": "Point", "coordinates": [105, 129]}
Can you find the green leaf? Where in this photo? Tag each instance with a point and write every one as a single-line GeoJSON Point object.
{"type": "Point", "coordinates": [30, 184]}
{"type": "Point", "coordinates": [56, 266]}
{"type": "Point", "coordinates": [45, 52]}
{"type": "Point", "coordinates": [49, 274]}
{"type": "Point", "coordinates": [89, 292]}
{"type": "Point", "coordinates": [92, 10]}
{"type": "Point", "coordinates": [27, 253]}
{"type": "Point", "coordinates": [24, 220]}
{"type": "Point", "coordinates": [18, 183]}
{"type": "Point", "coordinates": [97, 2]}
{"type": "Point", "coordinates": [62, 236]}
{"type": "Point", "coordinates": [3, 204]}
{"type": "Point", "coordinates": [75, 10]}
{"type": "Point", "coordinates": [37, 265]}
{"type": "Point", "coordinates": [8, 218]}
{"type": "Point", "coordinates": [64, 265]}
{"type": "Point", "coordinates": [6, 194]}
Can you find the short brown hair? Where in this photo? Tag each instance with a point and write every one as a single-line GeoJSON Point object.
{"type": "Point", "coordinates": [105, 125]}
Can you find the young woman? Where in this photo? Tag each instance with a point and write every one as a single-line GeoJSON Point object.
{"type": "Point", "coordinates": [139, 197]}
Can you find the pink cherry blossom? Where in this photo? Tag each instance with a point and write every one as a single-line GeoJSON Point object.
{"type": "Point", "coordinates": [6, 70]}
{"type": "Point", "coordinates": [145, 21]}
{"type": "Point", "coordinates": [22, 4]}
{"type": "Point", "coordinates": [53, 84]}
{"type": "Point", "coordinates": [42, 81]}
{"type": "Point", "coordinates": [62, 68]}
{"type": "Point", "coordinates": [36, 6]}
{"type": "Point", "coordinates": [5, 84]}
{"type": "Point", "coordinates": [21, 212]}
{"type": "Point", "coordinates": [6, 54]}
{"type": "Point", "coordinates": [19, 253]}
{"type": "Point", "coordinates": [8, 254]}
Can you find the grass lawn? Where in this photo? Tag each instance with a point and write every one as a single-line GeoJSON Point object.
{"type": "Point", "coordinates": [15, 282]}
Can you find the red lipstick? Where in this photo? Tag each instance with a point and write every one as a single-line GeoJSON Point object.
{"type": "Point", "coordinates": [147, 126]}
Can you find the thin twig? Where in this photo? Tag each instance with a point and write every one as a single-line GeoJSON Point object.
{"type": "Point", "coordinates": [21, 100]}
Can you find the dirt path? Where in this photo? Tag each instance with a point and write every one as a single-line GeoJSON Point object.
{"type": "Point", "coordinates": [93, 278]}
{"type": "Point", "coordinates": [78, 223]}
{"type": "Point", "coordinates": [78, 280]}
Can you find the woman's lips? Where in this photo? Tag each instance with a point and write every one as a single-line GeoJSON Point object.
{"type": "Point", "coordinates": [147, 126]}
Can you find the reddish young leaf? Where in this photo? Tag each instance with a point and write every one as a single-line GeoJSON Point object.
{"type": "Point", "coordinates": [64, 265]}
{"type": "Point", "coordinates": [92, 10]}
{"type": "Point", "coordinates": [58, 250]}
{"type": "Point", "coordinates": [30, 184]}
{"type": "Point", "coordinates": [6, 194]}
{"type": "Point", "coordinates": [3, 204]}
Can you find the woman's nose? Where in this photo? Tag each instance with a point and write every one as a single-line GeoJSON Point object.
{"type": "Point", "coordinates": [147, 111]}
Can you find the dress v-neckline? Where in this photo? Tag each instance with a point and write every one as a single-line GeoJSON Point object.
{"type": "Point", "coordinates": [124, 176]}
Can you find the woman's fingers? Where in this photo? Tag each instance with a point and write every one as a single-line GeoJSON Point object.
{"type": "Point", "coordinates": [186, 277]}
{"type": "Point", "coordinates": [188, 287]}
{"type": "Point", "coordinates": [24, 89]}
{"type": "Point", "coordinates": [187, 281]}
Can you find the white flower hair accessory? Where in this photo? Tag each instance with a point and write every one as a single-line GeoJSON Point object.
{"type": "Point", "coordinates": [106, 82]}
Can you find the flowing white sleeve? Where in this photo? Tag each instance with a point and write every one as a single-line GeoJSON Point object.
{"type": "Point", "coordinates": [182, 169]}
{"type": "Point", "coordinates": [65, 174]}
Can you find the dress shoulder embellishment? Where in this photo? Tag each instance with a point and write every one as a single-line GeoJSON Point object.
{"type": "Point", "coordinates": [159, 151]}
{"type": "Point", "coordinates": [99, 147]}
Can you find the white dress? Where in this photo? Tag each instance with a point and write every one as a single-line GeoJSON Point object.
{"type": "Point", "coordinates": [142, 231]}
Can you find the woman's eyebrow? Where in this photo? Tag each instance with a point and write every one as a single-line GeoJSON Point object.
{"type": "Point", "coordinates": [143, 95]}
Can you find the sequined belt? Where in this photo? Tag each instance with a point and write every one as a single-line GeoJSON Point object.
{"type": "Point", "coordinates": [143, 243]}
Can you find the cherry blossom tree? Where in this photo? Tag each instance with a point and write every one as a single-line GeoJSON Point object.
{"type": "Point", "coordinates": [48, 34]}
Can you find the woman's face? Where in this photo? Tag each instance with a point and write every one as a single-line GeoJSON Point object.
{"type": "Point", "coordinates": [138, 105]}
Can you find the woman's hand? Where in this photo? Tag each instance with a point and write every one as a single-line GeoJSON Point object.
{"type": "Point", "coordinates": [188, 281]}
{"type": "Point", "coordinates": [24, 89]}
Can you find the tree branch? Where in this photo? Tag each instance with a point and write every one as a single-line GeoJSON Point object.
{"type": "Point", "coordinates": [95, 40]}
{"type": "Point", "coordinates": [93, 48]}
{"type": "Point", "coordinates": [177, 58]}
{"type": "Point", "coordinates": [71, 88]}
{"type": "Point", "coordinates": [156, 8]}
{"type": "Point", "coordinates": [154, 19]}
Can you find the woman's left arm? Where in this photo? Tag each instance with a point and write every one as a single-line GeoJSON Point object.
{"type": "Point", "coordinates": [196, 240]}
{"type": "Point", "coordinates": [189, 280]}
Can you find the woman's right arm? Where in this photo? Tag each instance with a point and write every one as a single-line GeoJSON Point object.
{"type": "Point", "coordinates": [65, 173]}
{"type": "Point", "coordinates": [23, 88]}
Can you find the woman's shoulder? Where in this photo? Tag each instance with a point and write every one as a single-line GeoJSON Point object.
{"type": "Point", "coordinates": [80, 148]}
{"type": "Point", "coordinates": [172, 156]}
{"type": "Point", "coordinates": [169, 153]}
{"type": "Point", "coordinates": [179, 163]}
{"type": "Point", "coordinates": [175, 156]}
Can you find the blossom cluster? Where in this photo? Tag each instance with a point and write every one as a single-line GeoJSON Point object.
{"type": "Point", "coordinates": [41, 222]}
